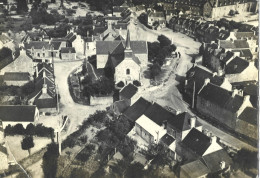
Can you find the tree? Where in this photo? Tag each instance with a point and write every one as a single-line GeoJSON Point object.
{"type": "Point", "coordinates": [155, 70]}
{"type": "Point", "coordinates": [19, 129]}
{"type": "Point", "coordinates": [21, 6]}
{"type": "Point", "coordinates": [164, 41]}
{"type": "Point", "coordinates": [79, 172]}
{"type": "Point", "coordinates": [30, 129]}
{"type": "Point", "coordinates": [135, 170]}
{"type": "Point", "coordinates": [49, 161]}
{"type": "Point", "coordinates": [27, 143]}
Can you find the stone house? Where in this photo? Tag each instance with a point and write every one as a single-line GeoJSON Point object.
{"type": "Point", "coordinates": [68, 53]}
{"type": "Point", "coordinates": [23, 63]}
{"type": "Point", "coordinates": [221, 105]}
{"type": "Point", "coordinates": [148, 130]}
{"type": "Point", "coordinates": [129, 94]}
{"type": "Point", "coordinates": [221, 8]}
{"type": "Point", "coordinates": [246, 123]}
{"type": "Point", "coordinates": [240, 70]}
{"type": "Point", "coordinates": [44, 96]}
{"type": "Point", "coordinates": [158, 17]}
{"type": "Point", "coordinates": [13, 115]}
{"type": "Point", "coordinates": [16, 78]}
{"type": "Point", "coordinates": [196, 145]}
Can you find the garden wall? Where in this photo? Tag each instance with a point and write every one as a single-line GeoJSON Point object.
{"type": "Point", "coordinates": [103, 100]}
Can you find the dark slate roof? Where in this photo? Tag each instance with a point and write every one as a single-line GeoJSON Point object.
{"type": "Point", "coordinates": [236, 66]}
{"type": "Point", "coordinates": [16, 76]}
{"type": "Point", "coordinates": [244, 53]}
{"type": "Point", "coordinates": [128, 91]}
{"type": "Point", "coordinates": [241, 35]}
{"type": "Point", "coordinates": [249, 115]}
{"type": "Point", "coordinates": [241, 44]}
{"type": "Point", "coordinates": [70, 37]}
{"type": "Point", "coordinates": [195, 169]}
{"type": "Point", "coordinates": [119, 38]}
{"type": "Point", "coordinates": [45, 66]}
{"type": "Point", "coordinates": [37, 45]}
{"type": "Point", "coordinates": [182, 121]}
{"type": "Point", "coordinates": [167, 139]}
{"type": "Point", "coordinates": [156, 14]}
{"type": "Point", "coordinates": [221, 97]}
{"type": "Point", "coordinates": [45, 103]}
{"type": "Point", "coordinates": [251, 89]}
{"type": "Point", "coordinates": [56, 45]}
{"type": "Point", "coordinates": [17, 113]}
{"type": "Point", "coordinates": [158, 114]}
{"type": "Point", "coordinates": [105, 47]}
{"type": "Point", "coordinates": [197, 142]}
{"type": "Point", "coordinates": [137, 109]}
{"type": "Point", "coordinates": [199, 74]}
{"type": "Point", "coordinates": [213, 160]}
{"type": "Point", "coordinates": [68, 50]}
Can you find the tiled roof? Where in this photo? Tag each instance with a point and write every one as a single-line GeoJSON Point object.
{"type": "Point", "coordinates": [214, 159]}
{"type": "Point", "coordinates": [128, 91]}
{"type": "Point", "coordinates": [45, 66]}
{"type": "Point", "coordinates": [221, 97]}
{"type": "Point", "coordinates": [105, 47]}
{"type": "Point", "coordinates": [16, 76]}
{"type": "Point", "coordinates": [56, 45]}
{"type": "Point", "coordinates": [236, 66]}
{"type": "Point", "coordinates": [70, 37]}
{"type": "Point", "coordinates": [182, 121]}
{"type": "Point", "coordinates": [17, 113]}
{"type": "Point", "coordinates": [241, 35]}
{"type": "Point", "coordinates": [137, 109]}
{"type": "Point", "coordinates": [197, 142]}
{"type": "Point", "coordinates": [195, 169]}
{"type": "Point", "coordinates": [68, 50]}
{"type": "Point", "coordinates": [45, 103]}
{"type": "Point", "coordinates": [167, 139]}
{"type": "Point", "coordinates": [241, 44]}
{"type": "Point", "coordinates": [158, 114]}
{"type": "Point", "coordinates": [37, 45]}
{"type": "Point", "coordinates": [244, 53]}
{"type": "Point", "coordinates": [249, 115]}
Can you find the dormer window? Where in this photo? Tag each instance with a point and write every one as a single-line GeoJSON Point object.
{"type": "Point", "coordinates": [127, 71]}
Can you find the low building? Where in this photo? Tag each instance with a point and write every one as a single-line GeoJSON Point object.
{"type": "Point", "coordinates": [221, 105]}
{"type": "Point", "coordinates": [149, 130]}
{"type": "Point", "coordinates": [129, 94]}
{"type": "Point", "coordinates": [246, 123]}
{"type": "Point", "coordinates": [16, 78]}
{"type": "Point", "coordinates": [68, 53]}
{"type": "Point", "coordinates": [13, 115]}
{"type": "Point", "coordinates": [170, 143]}
{"type": "Point", "coordinates": [158, 17]}
{"type": "Point", "coordinates": [240, 70]}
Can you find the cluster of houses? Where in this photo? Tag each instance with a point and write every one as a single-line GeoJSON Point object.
{"type": "Point", "coordinates": [181, 134]}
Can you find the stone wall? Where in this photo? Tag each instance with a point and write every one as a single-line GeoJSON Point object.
{"type": "Point", "coordinates": [103, 100]}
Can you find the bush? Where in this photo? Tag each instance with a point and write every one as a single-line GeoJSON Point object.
{"type": "Point", "coordinates": [137, 83]}
{"type": "Point", "coordinates": [85, 153]}
{"type": "Point", "coordinates": [120, 84]}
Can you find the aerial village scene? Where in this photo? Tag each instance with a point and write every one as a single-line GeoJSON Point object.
{"type": "Point", "coordinates": [129, 88]}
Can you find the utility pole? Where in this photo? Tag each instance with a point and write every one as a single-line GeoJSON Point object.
{"type": "Point", "coordinates": [57, 95]}
{"type": "Point", "coordinates": [193, 95]}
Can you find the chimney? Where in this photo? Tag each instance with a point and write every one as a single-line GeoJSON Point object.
{"type": "Point", "coordinates": [222, 165]}
{"type": "Point", "coordinates": [178, 111]}
{"type": "Point", "coordinates": [220, 72]}
{"type": "Point", "coordinates": [192, 122]}
{"type": "Point", "coordinates": [92, 38]}
{"type": "Point", "coordinates": [36, 71]}
{"type": "Point", "coordinates": [214, 74]}
{"type": "Point", "coordinates": [44, 88]}
{"type": "Point", "coordinates": [207, 80]}
{"type": "Point", "coordinates": [13, 55]}
{"type": "Point", "coordinates": [87, 33]}
{"type": "Point", "coordinates": [213, 138]}
{"type": "Point", "coordinates": [234, 93]}
{"type": "Point", "coordinates": [240, 92]}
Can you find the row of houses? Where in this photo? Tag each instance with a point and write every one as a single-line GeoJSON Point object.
{"type": "Point", "coordinates": [181, 133]}
{"type": "Point", "coordinates": [222, 98]}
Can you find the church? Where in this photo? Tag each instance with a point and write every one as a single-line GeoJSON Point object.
{"type": "Point", "coordinates": [127, 58]}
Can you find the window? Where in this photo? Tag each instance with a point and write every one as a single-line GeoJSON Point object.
{"type": "Point", "coordinates": [38, 54]}
{"type": "Point", "coordinates": [127, 71]}
{"type": "Point", "coordinates": [43, 54]}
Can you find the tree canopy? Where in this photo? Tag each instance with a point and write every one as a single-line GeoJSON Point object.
{"type": "Point", "coordinates": [27, 143]}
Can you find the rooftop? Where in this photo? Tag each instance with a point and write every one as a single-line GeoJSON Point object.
{"type": "Point", "coordinates": [249, 115]}
{"type": "Point", "coordinates": [128, 91]}
{"type": "Point", "coordinates": [16, 76]}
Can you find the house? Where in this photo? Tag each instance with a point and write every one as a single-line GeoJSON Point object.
{"type": "Point", "coordinates": [196, 144]}
{"type": "Point", "coordinates": [16, 78]}
{"type": "Point", "coordinates": [118, 107]}
{"type": "Point", "coordinates": [13, 115]}
{"type": "Point", "coordinates": [221, 105]}
{"type": "Point", "coordinates": [135, 111]}
{"type": "Point", "coordinates": [76, 41]}
{"type": "Point", "coordinates": [221, 8]}
{"type": "Point", "coordinates": [36, 35]}
{"type": "Point", "coordinates": [44, 96]}
{"type": "Point", "coordinates": [129, 94]}
{"type": "Point", "coordinates": [148, 130]}
{"type": "Point", "coordinates": [4, 158]}
{"type": "Point", "coordinates": [23, 63]}
{"type": "Point", "coordinates": [233, 44]}
{"type": "Point", "coordinates": [116, 48]}
{"type": "Point", "coordinates": [117, 10]}
{"type": "Point", "coordinates": [198, 76]}
{"type": "Point", "coordinates": [181, 124]}
{"type": "Point", "coordinates": [170, 143]}
{"type": "Point", "coordinates": [68, 53]}
{"type": "Point", "coordinates": [240, 70]}
{"type": "Point", "coordinates": [214, 163]}
{"type": "Point", "coordinates": [90, 46]}
{"type": "Point", "coordinates": [156, 17]}
{"type": "Point", "coordinates": [247, 123]}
